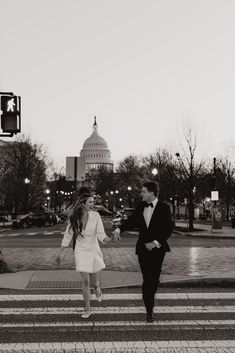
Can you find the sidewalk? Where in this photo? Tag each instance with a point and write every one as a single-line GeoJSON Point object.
{"type": "Point", "coordinates": [208, 232]}
{"type": "Point", "coordinates": [36, 268]}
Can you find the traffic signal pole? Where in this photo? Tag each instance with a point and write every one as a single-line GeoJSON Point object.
{"type": "Point", "coordinates": [10, 117]}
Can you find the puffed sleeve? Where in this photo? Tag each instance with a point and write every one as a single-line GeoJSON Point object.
{"type": "Point", "coordinates": [68, 234]}
{"type": "Point", "coordinates": [100, 229]}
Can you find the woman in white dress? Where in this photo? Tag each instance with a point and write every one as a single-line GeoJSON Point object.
{"type": "Point", "coordinates": [85, 228]}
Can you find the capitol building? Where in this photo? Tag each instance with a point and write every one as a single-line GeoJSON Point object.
{"type": "Point", "coordinates": [95, 151]}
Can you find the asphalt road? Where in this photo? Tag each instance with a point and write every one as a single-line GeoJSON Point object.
{"type": "Point", "coordinates": [51, 237]}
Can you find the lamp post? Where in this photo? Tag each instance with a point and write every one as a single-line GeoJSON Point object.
{"type": "Point", "coordinates": [116, 199]}
{"type": "Point", "coordinates": [27, 194]}
{"type": "Point", "coordinates": [129, 188]}
{"type": "Point", "coordinates": [47, 191]}
{"type": "Point", "coordinates": [154, 172]}
{"type": "Point", "coordinates": [112, 203]}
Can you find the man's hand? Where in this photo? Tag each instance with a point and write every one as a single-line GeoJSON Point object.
{"type": "Point", "coordinates": [150, 246]}
{"type": "Point", "coordinates": [116, 235]}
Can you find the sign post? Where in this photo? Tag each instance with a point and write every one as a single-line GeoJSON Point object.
{"type": "Point", "coordinates": [75, 169]}
{"type": "Point", "coordinates": [216, 212]}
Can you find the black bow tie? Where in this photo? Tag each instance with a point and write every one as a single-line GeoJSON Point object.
{"type": "Point", "coordinates": [149, 204]}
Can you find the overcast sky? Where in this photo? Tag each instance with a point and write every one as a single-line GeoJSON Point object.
{"type": "Point", "coordinates": [138, 65]}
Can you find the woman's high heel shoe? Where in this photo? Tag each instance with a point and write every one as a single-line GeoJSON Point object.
{"type": "Point", "coordinates": [86, 314]}
{"type": "Point", "coordinates": [99, 296]}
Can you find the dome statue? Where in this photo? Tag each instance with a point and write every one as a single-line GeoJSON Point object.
{"type": "Point", "coordinates": [95, 151]}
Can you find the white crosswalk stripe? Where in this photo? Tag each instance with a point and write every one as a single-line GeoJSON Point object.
{"type": "Point", "coordinates": [119, 296]}
{"type": "Point", "coordinates": [129, 346]}
{"type": "Point", "coordinates": [28, 321]}
{"type": "Point", "coordinates": [122, 323]}
{"type": "Point", "coordinates": [16, 234]}
{"type": "Point", "coordinates": [118, 310]}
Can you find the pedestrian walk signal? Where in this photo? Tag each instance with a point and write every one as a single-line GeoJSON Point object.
{"type": "Point", "coordinates": [10, 114]}
{"type": "Point", "coordinates": [8, 104]}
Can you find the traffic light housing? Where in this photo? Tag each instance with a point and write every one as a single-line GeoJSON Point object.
{"type": "Point", "coordinates": [11, 114]}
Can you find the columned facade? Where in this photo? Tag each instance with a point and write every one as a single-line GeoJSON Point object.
{"type": "Point", "coordinates": [95, 151]}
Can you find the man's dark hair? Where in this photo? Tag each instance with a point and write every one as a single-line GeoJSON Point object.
{"type": "Point", "coordinates": [152, 186]}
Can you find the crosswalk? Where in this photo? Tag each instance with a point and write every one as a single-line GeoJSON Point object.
{"type": "Point", "coordinates": [185, 322]}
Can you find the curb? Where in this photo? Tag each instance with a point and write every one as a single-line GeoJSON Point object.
{"type": "Point", "coordinates": [4, 230]}
{"type": "Point", "coordinates": [214, 236]}
{"type": "Point", "coordinates": [200, 282]}
{"type": "Point", "coordinates": [206, 235]}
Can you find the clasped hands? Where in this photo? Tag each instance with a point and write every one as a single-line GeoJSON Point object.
{"type": "Point", "coordinates": [151, 245]}
{"type": "Point", "coordinates": [116, 236]}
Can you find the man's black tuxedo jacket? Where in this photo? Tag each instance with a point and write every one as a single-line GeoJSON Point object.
{"type": "Point", "coordinates": [160, 227]}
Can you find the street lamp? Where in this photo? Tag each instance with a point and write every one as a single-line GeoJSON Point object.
{"type": "Point", "coordinates": [154, 171]}
{"type": "Point", "coordinates": [27, 194]}
{"type": "Point", "coordinates": [129, 188]}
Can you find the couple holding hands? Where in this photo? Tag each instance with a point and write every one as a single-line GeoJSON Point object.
{"type": "Point", "coordinates": [85, 228]}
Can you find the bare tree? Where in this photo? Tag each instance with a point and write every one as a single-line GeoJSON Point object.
{"type": "Point", "coordinates": [23, 177]}
{"type": "Point", "coordinates": [189, 169]}
{"type": "Point", "coordinates": [129, 178]}
{"type": "Point", "coordinates": [224, 179]}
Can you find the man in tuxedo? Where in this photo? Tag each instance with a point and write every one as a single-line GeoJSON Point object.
{"type": "Point", "coordinates": [154, 222]}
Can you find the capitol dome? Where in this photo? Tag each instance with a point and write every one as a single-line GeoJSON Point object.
{"type": "Point", "coordinates": [95, 151]}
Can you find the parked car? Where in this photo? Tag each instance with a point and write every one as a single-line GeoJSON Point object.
{"type": "Point", "coordinates": [103, 211]}
{"type": "Point", "coordinates": [33, 219]}
{"type": "Point", "coordinates": [122, 217]}
{"type": "Point", "coordinates": [3, 219]}
{"type": "Point", "coordinates": [62, 216]}
{"type": "Point", "coordinates": [54, 218]}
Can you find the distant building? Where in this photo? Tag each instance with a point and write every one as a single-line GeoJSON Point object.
{"type": "Point", "coordinates": [5, 143]}
{"type": "Point", "coordinates": [95, 151]}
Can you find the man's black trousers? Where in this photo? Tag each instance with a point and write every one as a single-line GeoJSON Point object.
{"type": "Point", "coordinates": [150, 265]}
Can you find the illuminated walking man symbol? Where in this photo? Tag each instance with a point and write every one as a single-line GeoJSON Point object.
{"type": "Point", "coordinates": [10, 105]}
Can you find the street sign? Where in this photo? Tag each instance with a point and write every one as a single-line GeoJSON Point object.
{"type": "Point", "coordinates": [75, 168]}
{"type": "Point", "coordinates": [214, 195]}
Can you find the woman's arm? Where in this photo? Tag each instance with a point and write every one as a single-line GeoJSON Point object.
{"type": "Point", "coordinates": [101, 235]}
{"type": "Point", "coordinates": [68, 234]}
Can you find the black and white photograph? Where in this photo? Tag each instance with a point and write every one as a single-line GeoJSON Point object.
{"type": "Point", "coordinates": [117, 176]}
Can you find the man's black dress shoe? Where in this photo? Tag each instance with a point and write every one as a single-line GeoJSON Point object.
{"type": "Point", "coordinates": [149, 317]}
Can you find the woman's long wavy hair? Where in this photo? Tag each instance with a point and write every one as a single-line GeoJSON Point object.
{"type": "Point", "coordinates": [76, 217]}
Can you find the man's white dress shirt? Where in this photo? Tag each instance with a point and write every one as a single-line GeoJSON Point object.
{"type": "Point", "coordinates": [148, 212]}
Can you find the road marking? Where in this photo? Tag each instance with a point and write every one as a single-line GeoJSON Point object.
{"type": "Point", "coordinates": [6, 234]}
{"type": "Point", "coordinates": [118, 310]}
{"type": "Point", "coordinates": [116, 296]}
{"type": "Point", "coordinates": [108, 347]}
{"type": "Point", "coordinates": [120, 323]}
{"type": "Point", "coordinates": [22, 234]}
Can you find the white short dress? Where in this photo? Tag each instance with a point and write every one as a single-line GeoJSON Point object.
{"type": "Point", "coordinates": [87, 253]}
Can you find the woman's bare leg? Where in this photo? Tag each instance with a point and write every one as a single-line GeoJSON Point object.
{"type": "Point", "coordinates": [86, 290]}
{"type": "Point", "coordinates": [95, 282]}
